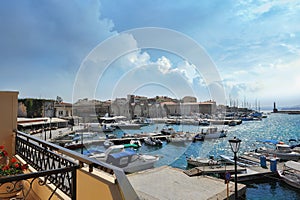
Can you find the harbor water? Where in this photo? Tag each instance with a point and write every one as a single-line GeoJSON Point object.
{"type": "Point", "coordinates": [282, 127]}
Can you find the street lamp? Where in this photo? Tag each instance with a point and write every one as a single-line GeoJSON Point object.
{"type": "Point", "coordinates": [235, 146]}
{"type": "Point", "coordinates": [45, 120]}
{"type": "Point", "coordinates": [50, 128]}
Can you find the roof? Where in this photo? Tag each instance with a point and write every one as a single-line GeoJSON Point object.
{"type": "Point", "coordinates": [169, 103]}
{"type": "Point", "coordinates": [63, 104]}
{"type": "Point", "coordinates": [38, 121]}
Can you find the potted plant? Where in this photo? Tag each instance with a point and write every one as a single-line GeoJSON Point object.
{"type": "Point", "coordinates": [10, 168]}
{"type": "Point", "coordinates": [3, 155]}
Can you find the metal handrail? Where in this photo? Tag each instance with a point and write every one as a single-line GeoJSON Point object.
{"type": "Point", "coordinates": [126, 188]}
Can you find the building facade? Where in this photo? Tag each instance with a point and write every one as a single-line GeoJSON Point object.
{"type": "Point", "coordinates": [137, 106]}
{"type": "Point", "coordinates": [63, 110]}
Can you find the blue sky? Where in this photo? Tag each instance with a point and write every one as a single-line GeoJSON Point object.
{"type": "Point", "coordinates": [255, 46]}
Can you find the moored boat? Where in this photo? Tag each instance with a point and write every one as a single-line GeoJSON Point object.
{"type": "Point", "coordinates": [198, 137]}
{"type": "Point", "coordinates": [136, 142]}
{"type": "Point", "coordinates": [153, 141]}
{"type": "Point", "coordinates": [181, 137]}
{"type": "Point", "coordinates": [212, 133]}
{"type": "Point", "coordinates": [199, 162]}
{"type": "Point", "coordinates": [204, 122]}
{"type": "Point", "coordinates": [74, 145]}
{"type": "Point", "coordinates": [240, 161]}
{"type": "Point", "coordinates": [127, 125]}
{"type": "Point", "coordinates": [281, 151]}
{"type": "Point", "coordinates": [290, 173]}
{"type": "Point", "coordinates": [168, 130]}
{"type": "Point", "coordinates": [128, 160]}
{"type": "Point", "coordinates": [232, 123]}
{"type": "Point", "coordinates": [173, 121]}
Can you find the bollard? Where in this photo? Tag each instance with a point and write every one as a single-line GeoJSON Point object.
{"type": "Point", "coordinates": [263, 161]}
{"type": "Point", "coordinates": [273, 165]}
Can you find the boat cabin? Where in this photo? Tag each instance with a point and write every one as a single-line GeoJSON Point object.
{"type": "Point", "coordinates": [283, 148]}
{"type": "Point", "coordinates": [121, 159]}
{"type": "Point", "coordinates": [209, 130]}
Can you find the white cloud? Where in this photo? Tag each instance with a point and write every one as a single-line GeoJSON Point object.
{"type": "Point", "coordinates": [264, 8]}
{"type": "Point", "coordinates": [164, 64]}
{"type": "Point", "coordinates": [188, 70]}
{"type": "Point", "coordinates": [294, 49]}
{"type": "Point", "coordinates": [268, 82]}
{"type": "Point", "coordinates": [136, 71]}
{"type": "Point", "coordinates": [249, 10]}
{"type": "Point", "coordinates": [139, 59]}
{"type": "Point", "coordinates": [47, 39]}
{"type": "Point", "coordinates": [254, 43]}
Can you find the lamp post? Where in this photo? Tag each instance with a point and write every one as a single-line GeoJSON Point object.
{"type": "Point", "coordinates": [235, 146]}
{"type": "Point", "coordinates": [50, 128]}
{"type": "Point", "coordinates": [45, 120]}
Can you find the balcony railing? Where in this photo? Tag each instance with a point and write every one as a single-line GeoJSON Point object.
{"type": "Point", "coordinates": [57, 166]}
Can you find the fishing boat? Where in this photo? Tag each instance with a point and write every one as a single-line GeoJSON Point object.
{"type": "Point", "coordinates": [74, 145]}
{"type": "Point", "coordinates": [117, 122]}
{"type": "Point", "coordinates": [290, 173]}
{"type": "Point", "coordinates": [198, 137]}
{"type": "Point", "coordinates": [204, 122]}
{"type": "Point", "coordinates": [153, 141]}
{"type": "Point", "coordinates": [240, 161]}
{"type": "Point", "coordinates": [168, 130]}
{"type": "Point", "coordinates": [199, 162]}
{"type": "Point", "coordinates": [212, 133]}
{"type": "Point", "coordinates": [127, 159]}
{"type": "Point", "coordinates": [127, 125]}
{"type": "Point", "coordinates": [181, 137]}
{"type": "Point", "coordinates": [173, 121]}
{"type": "Point", "coordinates": [136, 142]}
{"type": "Point", "coordinates": [281, 150]}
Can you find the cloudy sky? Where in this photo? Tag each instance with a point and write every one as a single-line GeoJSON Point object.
{"type": "Point", "coordinates": [57, 48]}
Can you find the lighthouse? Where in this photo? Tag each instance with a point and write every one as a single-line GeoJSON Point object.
{"type": "Point", "coordinates": [275, 109]}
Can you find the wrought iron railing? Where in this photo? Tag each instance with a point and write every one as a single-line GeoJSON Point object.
{"type": "Point", "coordinates": [58, 165]}
{"type": "Point", "coordinates": [51, 167]}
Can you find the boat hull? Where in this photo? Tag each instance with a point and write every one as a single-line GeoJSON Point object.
{"type": "Point", "coordinates": [196, 162]}
{"type": "Point", "coordinates": [142, 165]}
{"type": "Point", "coordinates": [214, 135]}
{"type": "Point", "coordinates": [129, 160]}
{"type": "Point", "coordinates": [280, 155]}
{"type": "Point", "coordinates": [289, 179]}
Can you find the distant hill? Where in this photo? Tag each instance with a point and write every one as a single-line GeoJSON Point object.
{"type": "Point", "coordinates": [291, 108]}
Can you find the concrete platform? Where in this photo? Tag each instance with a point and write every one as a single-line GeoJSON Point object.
{"type": "Point", "coordinates": [166, 183]}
